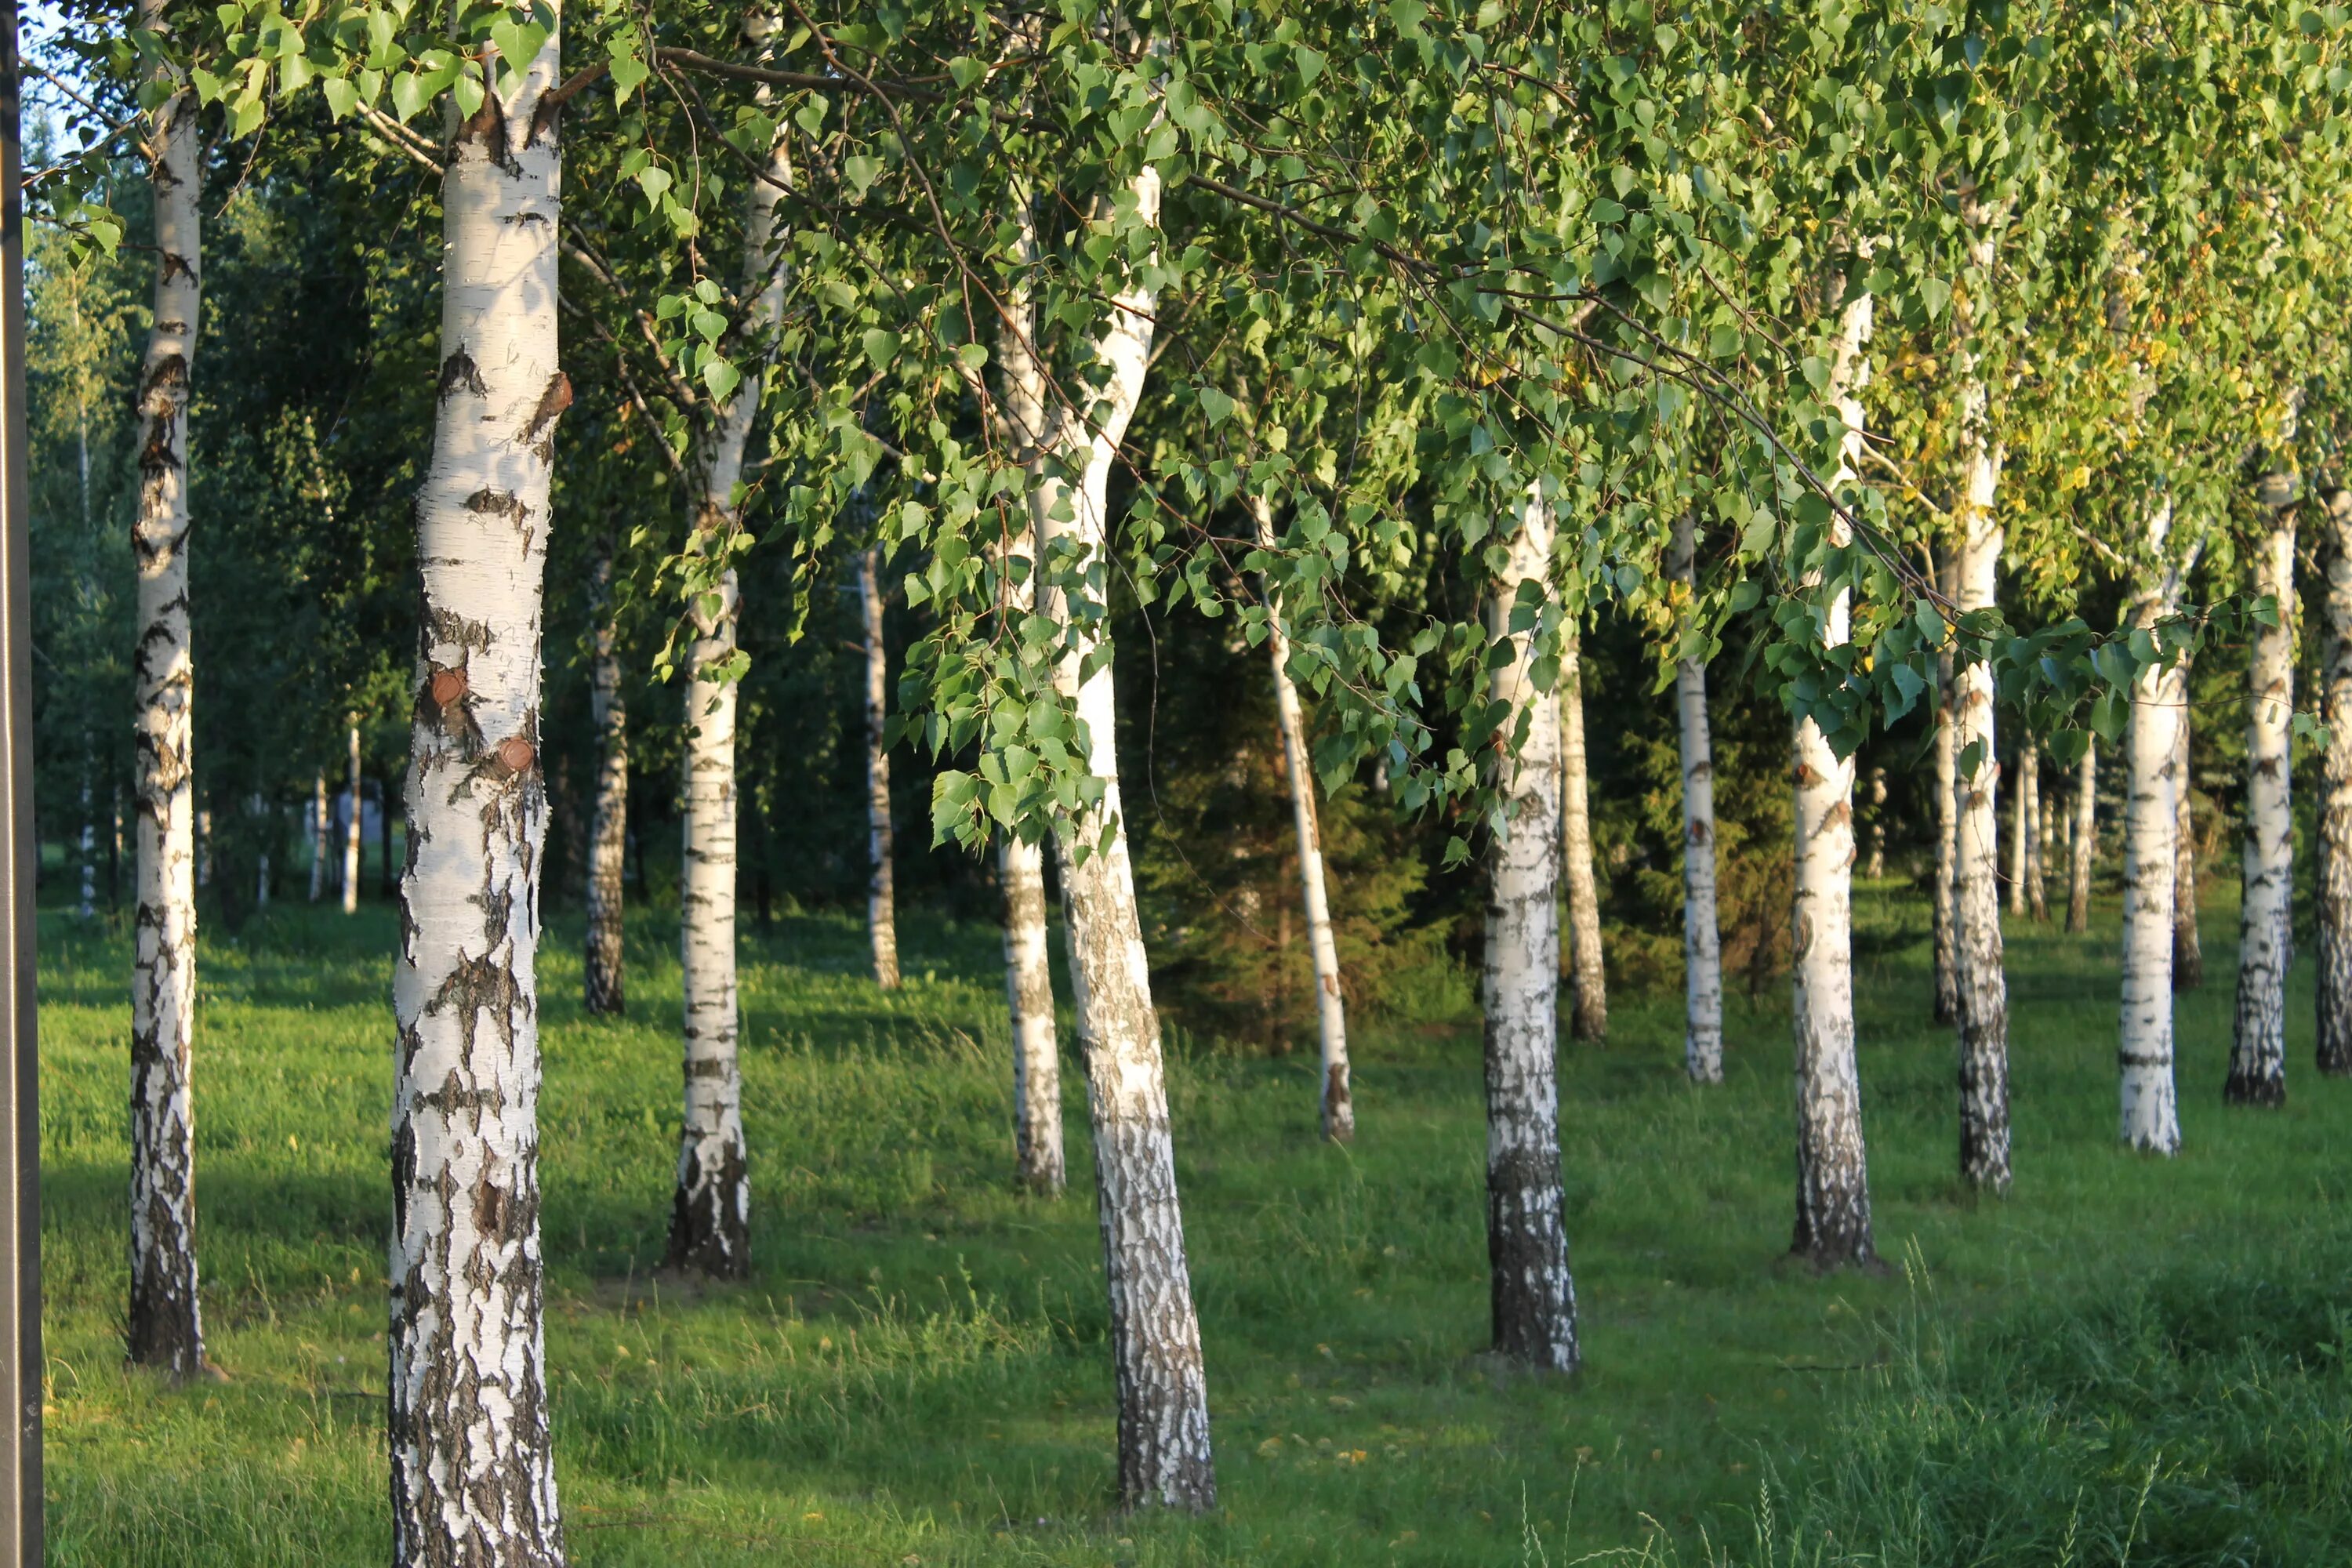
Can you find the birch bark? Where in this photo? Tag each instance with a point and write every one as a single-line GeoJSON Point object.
{"type": "Point", "coordinates": [1947, 927]}
{"type": "Point", "coordinates": [88, 846]}
{"type": "Point", "coordinates": [2188, 948]}
{"type": "Point", "coordinates": [1532, 1294]}
{"type": "Point", "coordinates": [710, 1212]}
{"type": "Point", "coordinates": [2266, 921]}
{"type": "Point", "coordinates": [1163, 1407]}
{"type": "Point", "coordinates": [1588, 987]}
{"type": "Point", "coordinates": [2020, 832]}
{"type": "Point", "coordinates": [1339, 1108]}
{"type": "Point", "coordinates": [473, 1479]}
{"type": "Point", "coordinates": [2150, 1117]}
{"type": "Point", "coordinates": [2334, 893]}
{"type": "Point", "coordinates": [351, 830]}
{"type": "Point", "coordinates": [2083, 848]}
{"type": "Point", "coordinates": [606, 995]}
{"type": "Point", "coordinates": [321, 821]}
{"type": "Point", "coordinates": [164, 1326]}
{"type": "Point", "coordinates": [1875, 867]}
{"type": "Point", "coordinates": [881, 904]}
{"type": "Point", "coordinates": [1702, 936]}
{"type": "Point", "coordinates": [2028, 796]}
{"type": "Point", "coordinates": [1833, 1171]}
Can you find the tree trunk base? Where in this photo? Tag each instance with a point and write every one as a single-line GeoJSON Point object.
{"type": "Point", "coordinates": [2255, 1089]}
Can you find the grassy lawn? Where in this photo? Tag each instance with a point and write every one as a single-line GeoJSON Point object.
{"type": "Point", "coordinates": [2128, 1361]}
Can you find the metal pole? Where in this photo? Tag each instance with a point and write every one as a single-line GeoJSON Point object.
{"type": "Point", "coordinates": [20, 1118]}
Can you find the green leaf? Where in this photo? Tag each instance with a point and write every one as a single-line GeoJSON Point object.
{"type": "Point", "coordinates": [721, 378]}
{"type": "Point", "coordinates": [342, 96]}
{"type": "Point", "coordinates": [1217, 406]}
{"type": "Point", "coordinates": [1310, 62]}
{"type": "Point", "coordinates": [861, 172]}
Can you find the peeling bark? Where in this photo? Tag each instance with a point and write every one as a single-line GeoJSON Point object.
{"type": "Point", "coordinates": [710, 1211]}
{"type": "Point", "coordinates": [606, 995]}
{"type": "Point", "coordinates": [2335, 896]}
{"type": "Point", "coordinates": [1531, 1291]}
{"type": "Point", "coordinates": [1588, 987]}
{"type": "Point", "coordinates": [881, 903]}
{"type": "Point", "coordinates": [1832, 1227]}
{"type": "Point", "coordinates": [473, 1480]}
{"type": "Point", "coordinates": [1339, 1108]}
{"type": "Point", "coordinates": [2151, 1114]}
{"type": "Point", "coordinates": [1701, 936]}
{"type": "Point", "coordinates": [2266, 919]}
{"type": "Point", "coordinates": [164, 1324]}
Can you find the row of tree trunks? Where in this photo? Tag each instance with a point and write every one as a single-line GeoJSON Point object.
{"type": "Point", "coordinates": [165, 1327]}
{"type": "Point", "coordinates": [473, 1479]}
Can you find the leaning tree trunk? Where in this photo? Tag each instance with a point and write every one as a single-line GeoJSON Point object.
{"type": "Point", "coordinates": [164, 1325]}
{"type": "Point", "coordinates": [2188, 948]}
{"type": "Point", "coordinates": [881, 903]}
{"type": "Point", "coordinates": [1833, 1169]}
{"type": "Point", "coordinates": [1980, 986]}
{"type": "Point", "coordinates": [710, 1211]}
{"type": "Point", "coordinates": [2335, 896]}
{"type": "Point", "coordinates": [473, 1479]}
{"type": "Point", "coordinates": [1702, 938]}
{"type": "Point", "coordinates": [2083, 848]}
{"type": "Point", "coordinates": [1531, 1292]}
{"type": "Point", "coordinates": [1588, 985]}
{"type": "Point", "coordinates": [352, 831]}
{"type": "Point", "coordinates": [2150, 1117]}
{"type": "Point", "coordinates": [609, 825]}
{"type": "Point", "coordinates": [1330, 1011]}
{"type": "Point", "coordinates": [2266, 921]}
{"type": "Point", "coordinates": [1163, 1405]}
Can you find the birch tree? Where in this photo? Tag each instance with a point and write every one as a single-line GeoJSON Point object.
{"type": "Point", "coordinates": [473, 1477]}
{"type": "Point", "coordinates": [711, 1213]}
{"type": "Point", "coordinates": [2151, 1114]}
{"type": "Point", "coordinates": [1532, 1295]}
{"type": "Point", "coordinates": [322, 819]}
{"type": "Point", "coordinates": [2188, 945]}
{"type": "Point", "coordinates": [1702, 939]}
{"type": "Point", "coordinates": [1833, 1172]}
{"type": "Point", "coordinates": [352, 826]}
{"type": "Point", "coordinates": [166, 1327]}
{"type": "Point", "coordinates": [1589, 1011]}
{"type": "Point", "coordinates": [606, 994]}
{"type": "Point", "coordinates": [881, 905]}
{"type": "Point", "coordinates": [2082, 839]}
{"type": "Point", "coordinates": [2266, 918]}
{"type": "Point", "coordinates": [1339, 1108]}
{"type": "Point", "coordinates": [2335, 803]}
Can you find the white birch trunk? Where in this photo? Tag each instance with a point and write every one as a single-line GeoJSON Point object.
{"type": "Point", "coordinates": [322, 820]}
{"type": "Point", "coordinates": [1531, 1292]}
{"type": "Point", "coordinates": [2083, 848]}
{"type": "Point", "coordinates": [2187, 947]}
{"type": "Point", "coordinates": [352, 831]}
{"type": "Point", "coordinates": [88, 910]}
{"type": "Point", "coordinates": [710, 1212]}
{"type": "Point", "coordinates": [1947, 929]}
{"type": "Point", "coordinates": [1588, 985]}
{"type": "Point", "coordinates": [1832, 1225]}
{"type": "Point", "coordinates": [606, 994]}
{"type": "Point", "coordinates": [1980, 986]}
{"type": "Point", "coordinates": [1038, 1163]}
{"type": "Point", "coordinates": [1875, 867]}
{"type": "Point", "coordinates": [881, 903]}
{"type": "Point", "coordinates": [2335, 805]}
{"type": "Point", "coordinates": [2029, 800]}
{"type": "Point", "coordinates": [2266, 921]}
{"type": "Point", "coordinates": [2019, 832]}
{"type": "Point", "coordinates": [1339, 1108]}
{"type": "Point", "coordinates": [165, 1327]}
{"type": "Point", "coordinates": [2150, 1115]}
{"type": "Point", "coordinates": [2037, 853]}
{"type": "Point", "coordinates": [1702, 936]}
{"type": "Point", "coordinates": [473, 1479]}
{"type": "Point", "coordinates": [1163, 1407]}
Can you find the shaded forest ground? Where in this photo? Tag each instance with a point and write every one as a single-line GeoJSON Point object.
{"type": "Point", "coordinates": [2127, 1360]}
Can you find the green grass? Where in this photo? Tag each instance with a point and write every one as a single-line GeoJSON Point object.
{"type": "Point", "coordinates": [2145, 1348]}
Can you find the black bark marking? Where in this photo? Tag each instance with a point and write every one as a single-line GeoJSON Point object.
{"type": "Point", "coordinates": [498, 503]}
{"type": "Point", "coordinates": [460, 370]}
{"type": "Point", "coordinates": [539, 434]}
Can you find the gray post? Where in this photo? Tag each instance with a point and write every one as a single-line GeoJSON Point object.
{"type": "Point", "coordinates": [20, 1121]}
